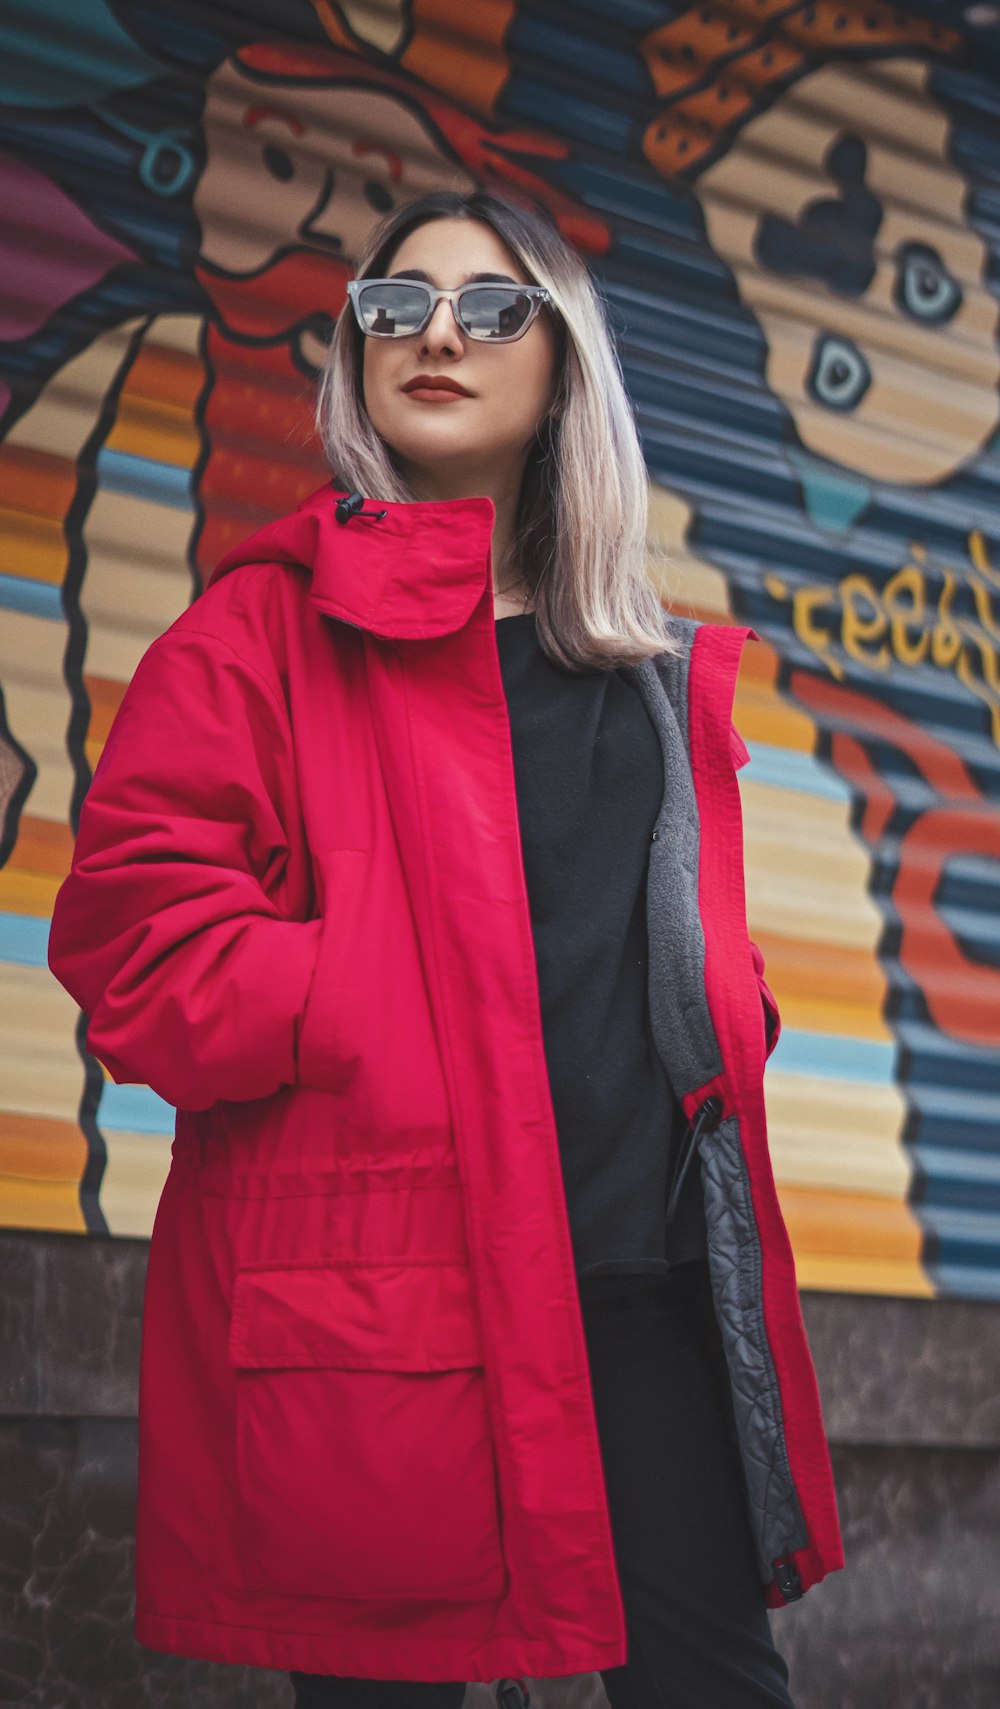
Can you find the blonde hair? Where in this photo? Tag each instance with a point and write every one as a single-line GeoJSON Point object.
{"type": "Point", "coordinates": [580, 530]}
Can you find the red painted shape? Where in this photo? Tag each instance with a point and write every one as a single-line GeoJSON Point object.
{"type": "Point", "coordinates": [962, 994]}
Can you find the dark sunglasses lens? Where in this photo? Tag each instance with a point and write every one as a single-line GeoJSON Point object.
{"type": "Point", "coordinates": [397, 309]}
{"type": "Point", "coordinates": [494, 311]}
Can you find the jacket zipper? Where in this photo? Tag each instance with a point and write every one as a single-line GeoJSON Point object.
{"type": "Point", "coordinates": [706, 1120]}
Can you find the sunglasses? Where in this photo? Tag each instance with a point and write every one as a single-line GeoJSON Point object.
{"type": "Point", "coordinates": [397, 308]}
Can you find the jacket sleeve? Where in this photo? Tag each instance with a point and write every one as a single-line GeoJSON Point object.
{"type": "Point", "coordinates": [168, 930]}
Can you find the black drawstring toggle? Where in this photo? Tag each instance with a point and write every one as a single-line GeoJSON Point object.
{"type": "Point", "coordinates": [353, 505]}
{"type": "Point", "coordinates": [706, 1120]}
{"type": "Point", "coordinates": [513, 1694]}
{"type": "Point", "coordinates": [789, 1580]}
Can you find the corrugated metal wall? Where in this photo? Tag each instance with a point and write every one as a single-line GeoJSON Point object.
{"type": "Point", "coordinates": [794, 212]}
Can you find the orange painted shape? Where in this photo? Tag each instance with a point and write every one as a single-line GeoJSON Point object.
{"type": "Point", "coordinates": [105, 697]}
{"type": "Point", "coordinates": [41, 1148]}
{"type": "Point", "coordinates": [761, 712]}
{"type": "Point", "coordinates": [962, 995]}
{"type": "Point", "coordinates": [680, 52]}
{"type": "Point", "coordinates": [157, 431]}
{"type": "Point", "coordinates": [871, 1274]}
{"type": "Point", "coordinates": [854, 1224]}
{"type": "Point", "coordinates": [722, 37]}
{"type": "Point", "coordinates": [156, 411]}
{"type": "Point", "coordinates": [853, 763]}
{"type": "Point", "coordinates": [32, 546]}
{"type": "Point", "coordinates": [839, 974]}
{"type": "Point", "coordinates": [761, 717]}
{"type": "Point", "coordinates": [52, 1205]}
{"type": "Point", "coordinates": [719, 107]}
{"type": "Point", "coordinates": [757, 70]}
{"type": "Point", "coordinates": [841, 707]}
{"type": "Point", "coordinates": [165, 377]}
{"type": "Point", "coordinates": [459, 49]}
{"type": "Point", "coordinates": [720, 48]}
{"type": "Point", "coordinates": [37, 481]}
{"type": "Point", "coordinates": [329, 16]}
{"type": "Point", "coordinates": [826, 24]}
{"type": "Point", "coordinates": [759, 665]}
{"type": "Point", "coordinates": [673, 144]}
{"type": "Point", "coordinates": [31, 893]}
{"type": "Point", "coordinates": [43, 846]}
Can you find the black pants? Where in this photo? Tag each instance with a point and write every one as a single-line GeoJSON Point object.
{"type": "Point", "coordinates": [698, 1629]}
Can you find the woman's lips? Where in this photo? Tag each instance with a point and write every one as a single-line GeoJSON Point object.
{"type": "Point", "coordinates": [433, 388]}
{"type": "Point", "coordinates": [436, 394]}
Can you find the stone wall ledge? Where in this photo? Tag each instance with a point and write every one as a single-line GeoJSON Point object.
{"type": "Point", "coordinates": [917, 1373]}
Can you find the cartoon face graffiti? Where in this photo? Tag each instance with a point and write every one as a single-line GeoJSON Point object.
{"type": "Point", "coordinates": [312, 163]}
{"type": "Point", "coordinates": [294, 164]}
{"type": "Point", "coordinates": [862, 270]}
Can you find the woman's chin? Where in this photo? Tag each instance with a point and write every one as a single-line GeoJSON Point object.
{"type": "Point", "coordinates": [447, 472]}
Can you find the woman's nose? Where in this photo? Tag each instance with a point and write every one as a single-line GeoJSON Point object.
{"type": "Point", "coordinates": [441, 332]}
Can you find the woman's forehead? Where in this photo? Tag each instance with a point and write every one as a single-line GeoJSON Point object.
{"type": "Point", "coordinates": [456, 248]}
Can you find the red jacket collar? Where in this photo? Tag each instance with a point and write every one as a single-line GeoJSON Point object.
{"type": "Point", "coordinates": [414, 573]}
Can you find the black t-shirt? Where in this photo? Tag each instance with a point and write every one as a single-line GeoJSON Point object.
{"type": "Point", "coordinates": [589, 781]}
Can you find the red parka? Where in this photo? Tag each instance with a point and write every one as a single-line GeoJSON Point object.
{"type": "Point", "coordinates": [297, 910]}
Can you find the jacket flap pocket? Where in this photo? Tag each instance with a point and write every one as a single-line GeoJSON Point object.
{"type": "Point", "coordinates": [397, 1314]}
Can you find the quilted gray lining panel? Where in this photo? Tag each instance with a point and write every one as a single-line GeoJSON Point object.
{"type": "Point", "coordinates": [679, 1015]}
{"type": "Point", "coordinates": [686, 1041]}
{"type": "Point", "coordinates": [734, 1260]}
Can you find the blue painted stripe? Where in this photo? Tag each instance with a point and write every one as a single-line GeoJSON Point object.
{"type": "Point", "coordinates": [24, 940]}
{"type": "Point", "coordinates": [569, 50]}
{"type": "Point", "coordinates": [958, 1164]}
{"type": "Point", "coordinates": [134, 1109]}
{"type": "Point", "coordinates": [966, 1281]}
{"type": "Point", "coordinates": [954, 1105]}
{"type": "Point", "coordinates": [141, 477]}
{"type": "Point", "coordinates": [35, 599]}
{"type": "Point", "coordinates": [950, 1131]}
{"type": "Point", "coordinates": [924, 1040]}
{"type": "Point", "coordinates": [975, 1229]}
{"type": "Point", "coordinates": [786, 768]}
{"type": "Point", "coordinates": [574, 116]}
{"type": "Point", "coordinates": [830, 1056]}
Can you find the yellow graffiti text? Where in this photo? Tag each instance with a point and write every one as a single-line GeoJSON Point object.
{"type": "Point", "coordinates": [927, 613]}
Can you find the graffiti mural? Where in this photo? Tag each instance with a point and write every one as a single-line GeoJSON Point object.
{"type": "Point", "coordinates": [793, 211]}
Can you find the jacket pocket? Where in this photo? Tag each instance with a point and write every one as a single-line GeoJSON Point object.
{"type": "Point", "coordinates": [364, 1456]}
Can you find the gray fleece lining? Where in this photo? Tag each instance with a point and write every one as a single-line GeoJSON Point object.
{"type": "Point", "coordinates": [678, 1003]}
{"type": "Point", "coordinates": [686, 1041]}
{"type": "Point", "coordinates": [735, 1263]}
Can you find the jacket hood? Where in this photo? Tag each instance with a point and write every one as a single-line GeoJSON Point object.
{"type": "Point", "coordinates": [407, 571]}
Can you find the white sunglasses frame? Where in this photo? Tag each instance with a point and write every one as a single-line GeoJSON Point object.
{"type": "Point", "coordinates": [538, 294]}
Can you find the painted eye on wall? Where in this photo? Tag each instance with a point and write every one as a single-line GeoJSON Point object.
{"type": "Point", "coordinates": [839, 376]}
{"type": "Point", "coordinates": [279, 164]}
{"type": "Point", "coordinates": [377, 196]}
{"type": "Point", "coordinates": [925, 289]}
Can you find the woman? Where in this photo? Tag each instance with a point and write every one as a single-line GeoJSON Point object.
{"type": "Point", "coordinates": [411, 874]}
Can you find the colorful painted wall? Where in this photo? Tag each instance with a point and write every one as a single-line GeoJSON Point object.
{"type": "Point", "coordinates": [794, 213]}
